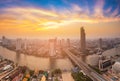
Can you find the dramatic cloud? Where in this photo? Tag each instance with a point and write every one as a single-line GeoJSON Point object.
{"type": "Point", "coordinates": [53, 18]}
{"type": "Point", "coordinates": [98, 9]}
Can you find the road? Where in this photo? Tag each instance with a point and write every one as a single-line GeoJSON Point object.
{"type": "Point", "coordinates": [87, 70]}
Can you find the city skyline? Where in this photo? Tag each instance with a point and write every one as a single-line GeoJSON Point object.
{"type": "Point", "coordinates": [59, 40]}
{"type": "Point", "coordinates": [61, 18]}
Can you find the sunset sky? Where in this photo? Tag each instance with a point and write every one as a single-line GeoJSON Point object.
{"type": "Point", "coordinates": [59, 18]}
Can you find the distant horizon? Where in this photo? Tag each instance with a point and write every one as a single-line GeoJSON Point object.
{"type": "Point", "coordinates": [59, 18]}
{"type": "Point", "coordinates": [46, 38]}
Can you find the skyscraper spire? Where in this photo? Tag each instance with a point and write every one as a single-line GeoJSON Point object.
{"type": "Point", "coordinates": [83, 39]}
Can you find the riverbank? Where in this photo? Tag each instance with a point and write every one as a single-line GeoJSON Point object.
{"type": "Point", "coordinates": [35, 62]}
{"type": "Point", "coordinates": [44, 53]}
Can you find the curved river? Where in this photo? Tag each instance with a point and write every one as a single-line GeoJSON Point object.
{"type": "Point", "coordinates": [35, 62]}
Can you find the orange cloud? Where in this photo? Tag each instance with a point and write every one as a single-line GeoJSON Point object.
{"type": "Point", "coordinates": [46, 19]}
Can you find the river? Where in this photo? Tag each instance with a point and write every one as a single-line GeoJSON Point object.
{"type": "Point", "coordinates": [93, 59]}
{"type": "Point", "coordinates": [35, 62]}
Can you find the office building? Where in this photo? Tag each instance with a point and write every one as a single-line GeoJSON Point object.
{"type": "Point", "coordinates": [83, 39]}
{"type": "Point", "coordinates": [18, 44]}
{"type": "Point", "coordinates": [68, 42]}
{"type": "Point", "coordinates": [100, 43]}
{"type": "Point", "coordinates": [52, 50]}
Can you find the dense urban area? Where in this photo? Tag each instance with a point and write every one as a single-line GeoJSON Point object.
{"type": "Point", "coordinates": [62, 59]}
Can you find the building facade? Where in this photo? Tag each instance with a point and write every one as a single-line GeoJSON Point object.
{"type": "Point", "coordinates": [83, 40]}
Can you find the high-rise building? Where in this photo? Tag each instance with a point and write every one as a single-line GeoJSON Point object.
{"type": "Point", "coordinates": [68, 42]}
{"type": "Point", "coordinates": [25, 44]}
{"type": "Point", "coordinates": [62, 42]}
{"type": "Point", "coordinates": [100, 43]}
{"type": "Point", "coordinates": [18, 44]}
{"type": "Point", "coordinates": [83, 39]}
{"type": "Point", "coordinates": [52, 50]}
{"type": "Point", "coordinates": [5, 41]}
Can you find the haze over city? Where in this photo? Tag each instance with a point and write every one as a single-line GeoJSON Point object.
{"type": "Point", "coordinates": [59, 40]}
{"type": "Point", "coordinates": [62, 18]}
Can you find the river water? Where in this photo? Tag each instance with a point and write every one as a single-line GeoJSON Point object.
{"type": "Point", "coordinates": [93, 59]}
{"type": "Point", "coordinates": [45, 63]}
{"type": "Point", "coordinates": [36, 62]}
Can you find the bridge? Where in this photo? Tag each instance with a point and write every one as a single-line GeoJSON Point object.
{"type": "Point", "coordinates": [87, 70]}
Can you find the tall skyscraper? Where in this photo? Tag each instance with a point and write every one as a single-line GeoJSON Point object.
{"type": "Point", "coordinates": [83, 39]}
{"type": "Point", "coordinates": [52, 50]}
{"type": "Point", "coordinates": [62, 42]}
{"type": "Point", "coordinates": [5, 41]}
{"type": "Point", "coordinates": [18, 44]}
{"type": "Point", "coordinates": [100, 43]}
{"type": "Point", "coordinates": [68, 42]}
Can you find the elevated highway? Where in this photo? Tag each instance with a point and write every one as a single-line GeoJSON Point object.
{"type": "Point", "coordinates": [87, 70]}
